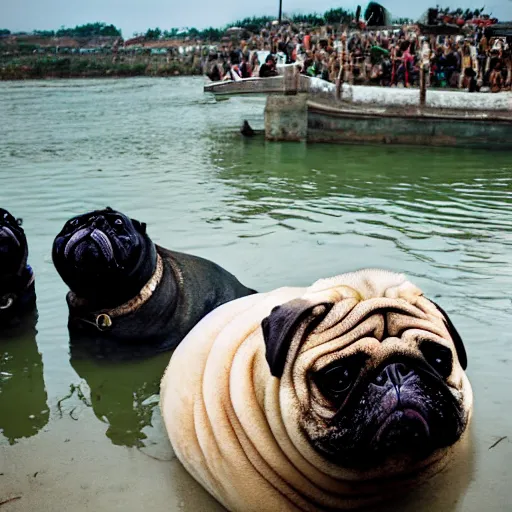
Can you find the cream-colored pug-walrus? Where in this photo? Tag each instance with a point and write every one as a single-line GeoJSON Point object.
{"type": "Point", "coordinates": [327, 397]}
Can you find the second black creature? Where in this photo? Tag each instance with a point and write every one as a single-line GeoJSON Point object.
{"type": "Point", "coordinates": [17, 290]}
{"type": "Point", "coordinates": [129, 296]}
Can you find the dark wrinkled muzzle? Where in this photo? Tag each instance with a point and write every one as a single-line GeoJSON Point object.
{"type": "Point", "coordinates": [6, 232]}
{"type": "Point", "coordinates": [400, 409]}
{"type": "Point", "coordinates": [101, 240]}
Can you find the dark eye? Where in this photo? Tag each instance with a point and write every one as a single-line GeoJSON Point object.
{"type": "Point", "coordinates": [118, 222]}
{"type": "Point", "coordinates": [74, 222]}
{"type": "Point", "coordinates": [6, 215]}
{"type": "Point", "coordinates": [337, 379]}
{"type": "Point", "coordinates": [439, 357]}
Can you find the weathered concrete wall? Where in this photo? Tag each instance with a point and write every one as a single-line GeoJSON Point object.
{"type": "Point", "coordinates": [320, 90]}
{"type": "Point", "coordinates": [347, 127]}
{"type": "Point", "coordinates": [286, 117]}
{"type": "Point", "coordinates": [391, 96]}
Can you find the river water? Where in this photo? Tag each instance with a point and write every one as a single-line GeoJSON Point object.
{"type": "Point", "coordinates": [75, 434]}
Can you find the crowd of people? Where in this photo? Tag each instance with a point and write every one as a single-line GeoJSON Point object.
{"type": "Point", "coordinates": [472, 61]}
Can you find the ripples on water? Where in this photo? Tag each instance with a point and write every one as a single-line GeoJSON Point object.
{"type": "Point", "coordinates": [273, 214]}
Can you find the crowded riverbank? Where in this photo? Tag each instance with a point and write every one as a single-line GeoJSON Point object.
{"type": "Point", "coordinates": [474, 55]}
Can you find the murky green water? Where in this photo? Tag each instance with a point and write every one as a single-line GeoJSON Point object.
{"type": "Point", "coordinates": [86, 436]}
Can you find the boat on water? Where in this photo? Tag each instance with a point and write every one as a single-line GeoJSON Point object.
{"type": "Point", "coordinates": [313, 113]}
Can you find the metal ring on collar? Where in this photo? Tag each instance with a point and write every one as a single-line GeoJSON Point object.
{"type": "Point", "coordinates": [103, 322]}
{"type": "Point", "coordinates": [7, 301]}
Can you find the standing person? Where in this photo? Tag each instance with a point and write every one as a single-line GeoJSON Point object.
{"type": "Point", "coordinates": [482, 57]}
{"type": "Point", "coordinates": [307, 41]}
{"type": "Point", "coordinates": [255, 64]}
{"type": "Point", "coordinates": [496, 80]}
{"type": "Point", "coordinates": [426, 56]}
{"type": "Point", "coordinates": [407, 63]}
{"type": "Point", "coordinates": [467, 66]}
{"type": "Point", "coordinates": [245, 69]}
{"type": "Point", "coordinates": [398, 68]}
{"type": "Point", "coordinates": [457, 56]}
{"type": "Point", "coordinates": [451, 64]}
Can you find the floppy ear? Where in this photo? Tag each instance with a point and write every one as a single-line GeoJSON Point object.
{"type": "Point", "coordinates": [139, 226]}
{"type": "Point", "coordinates": [279, 328]}
{"type": "Point", "coordinates": [457, 340]}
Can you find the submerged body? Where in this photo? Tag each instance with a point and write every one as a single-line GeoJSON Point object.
{"type": "Point", "coordinates": [329, 397]}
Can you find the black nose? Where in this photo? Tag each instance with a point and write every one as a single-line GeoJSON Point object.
{"type": "Point", "coordinates": [394, 374]}
{"type": "Point", "coordinates": [99, 222]}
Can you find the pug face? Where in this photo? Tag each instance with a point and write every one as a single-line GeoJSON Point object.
{"type": "Point", "coordinates": [104, 256]}
{"type": "Point", "coordinates": [372, 372]}
{"type": "Point", "coordinates": [13, 246]}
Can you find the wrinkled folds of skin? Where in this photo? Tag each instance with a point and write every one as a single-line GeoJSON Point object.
{"type": "Point", "coordinates": [242, 433]}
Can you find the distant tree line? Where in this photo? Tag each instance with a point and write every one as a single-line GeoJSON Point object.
{"type": "Point", "coordinates": [255, 24]}
{"type": "Point", "coordinates": [252, 24]}
{"type": "Point", "coordinates": [89, 30]}
{"type": "Point", "coordinates": [86, 31]}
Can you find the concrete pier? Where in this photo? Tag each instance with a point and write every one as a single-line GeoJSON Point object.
{"type": "Point", "coordinates": [300, 108]}
{"type": "Point", "coordinates": [286, 117]}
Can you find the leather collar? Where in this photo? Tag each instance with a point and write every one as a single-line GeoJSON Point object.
{"type": "Point", "coordinates": [103, 319]}
{"type": "Point", "coordinates": [7, 300]}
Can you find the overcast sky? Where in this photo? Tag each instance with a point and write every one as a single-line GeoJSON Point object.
{"type": "Point", "coordinates": [137, 15]}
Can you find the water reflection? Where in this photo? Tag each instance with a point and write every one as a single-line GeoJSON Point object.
{"type": "Point", "coordinates": [23, 399]}
{"type": "Point", "coordinates": [444, 187]}
{"type": "Point", "coordinates": [442, 210]}
{"type": "Point", "coordinates": [122, 394]}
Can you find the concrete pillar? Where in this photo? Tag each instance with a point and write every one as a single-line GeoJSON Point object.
{"type": "Point", "coordinates": [286, 117]}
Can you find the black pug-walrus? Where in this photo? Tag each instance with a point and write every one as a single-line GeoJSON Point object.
{"type": "Point", "coordinates": [130, 297]}
{"type": "Point", "coordinates": [17, 288]}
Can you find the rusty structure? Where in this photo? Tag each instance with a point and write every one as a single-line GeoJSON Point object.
{"type": "Point", "coordinates": [300, 108]}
